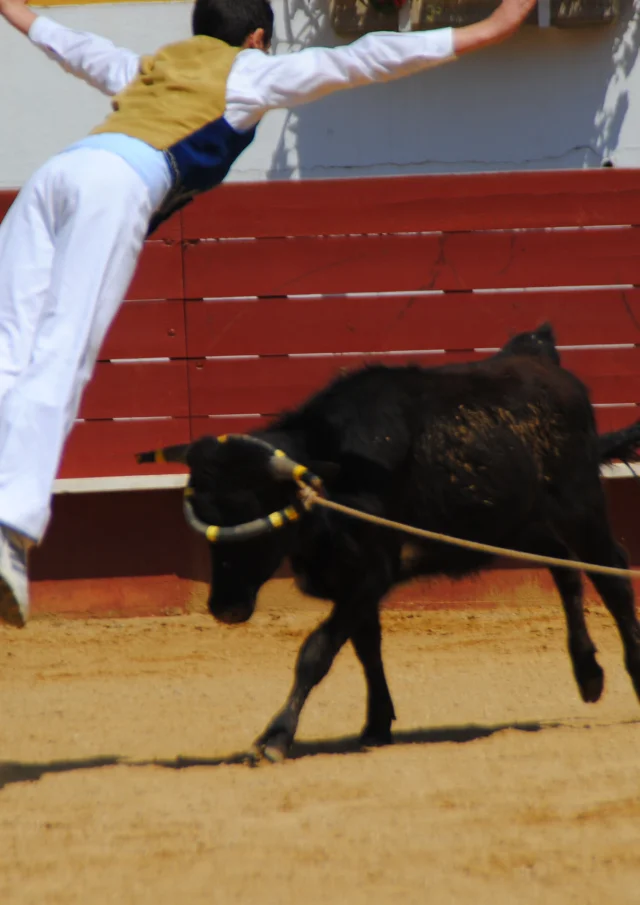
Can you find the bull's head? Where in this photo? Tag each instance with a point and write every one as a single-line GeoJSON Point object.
{"type": "Point", "coordinates": [241, 489]}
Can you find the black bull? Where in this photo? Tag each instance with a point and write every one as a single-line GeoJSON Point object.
{"type": "Point", "coordinates": [504, 451]}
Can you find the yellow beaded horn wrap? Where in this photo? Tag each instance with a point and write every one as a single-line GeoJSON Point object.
{"type": "Point", "coordinates": [281, 468]}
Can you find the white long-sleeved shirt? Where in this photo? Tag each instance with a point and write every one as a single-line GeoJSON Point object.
{"type": "Point", "coordinates": [259, 82]}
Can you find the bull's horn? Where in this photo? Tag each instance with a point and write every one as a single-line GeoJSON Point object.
{"type": "Point", "coordinates": [282, 468]}
{"type": "Point", "coordinates": [246, 531]}
{"type": "Point", "coordinates": [279, 465]}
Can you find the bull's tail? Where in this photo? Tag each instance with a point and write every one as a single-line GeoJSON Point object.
{"type": "Point", "coordinates": [623, 444]}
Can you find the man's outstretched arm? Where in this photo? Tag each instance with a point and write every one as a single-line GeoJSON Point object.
{"type": "Point", "coordinates": [259, 83]}
{"type": "Point", "coordinates": [90, 57]}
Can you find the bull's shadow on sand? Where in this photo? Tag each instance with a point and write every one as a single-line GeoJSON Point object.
{"type": "Point", "coordinates": [12, 772]}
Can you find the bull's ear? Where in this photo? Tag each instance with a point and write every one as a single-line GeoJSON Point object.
{"type": "Point", "coordinates": [545, 331]}
{"type": "Point", "coordinates": [327, 471]}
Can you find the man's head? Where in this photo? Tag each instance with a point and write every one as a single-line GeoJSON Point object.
{"type": "Point", "coordinates": [240, 23]}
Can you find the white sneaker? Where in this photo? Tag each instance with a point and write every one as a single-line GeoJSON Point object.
{"type": "Point", "coordinates": [14, 583]}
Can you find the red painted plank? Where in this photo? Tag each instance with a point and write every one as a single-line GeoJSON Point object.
{"type": "Point", "coordinates": [147, 330]}
{"type": "Point", "coordinates": [491, 260]}
{"type": "Point", "coordinates": [613, 375]}
{"type": "Point", "coordinates": [613, 418]}
{"type": "Point", "coordinates": [416, 204]}
{"type": "Point", "coordinates": [100, 448]}
{"type": "Point", "coordinates": [159, 273]}
{"type": "Point", "coordinates": [269, 385]}
{"type": "Point", "coordinates": [6, 200]}
{"type": "Point", "coordinates": [393, 323]}
{"type": "Point", "coordinates": [137, 390]}
{"type": "Point", "coordinates": [170, 230]}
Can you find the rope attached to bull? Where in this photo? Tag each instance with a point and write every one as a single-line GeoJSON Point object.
{"type": "Point", "coordinates": [311, 498]}
{"type": "Point", "coordinates": [310, 494]}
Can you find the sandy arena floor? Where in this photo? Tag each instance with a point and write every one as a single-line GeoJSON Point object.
{"type": "Point", "coordinates": [502, 787]}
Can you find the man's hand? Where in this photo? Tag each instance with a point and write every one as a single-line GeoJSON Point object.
{"type": "Point", "coordinates": [502, 23]}
{"type": "Point", "coordinates": [511, 14]}
{"type": "Point", "coordinates": [18, 14]}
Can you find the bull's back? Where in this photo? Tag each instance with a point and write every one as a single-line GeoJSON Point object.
{"type": "Point", "coordinates": [518, 413]}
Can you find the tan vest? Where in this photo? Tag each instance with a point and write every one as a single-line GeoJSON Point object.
{"type": "Point", "coordinates": [178, 91]}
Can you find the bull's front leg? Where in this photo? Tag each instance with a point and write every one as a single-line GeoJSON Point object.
{"type": "Point", "coordinates": [314, 662]}
{"type": "Point", "coordinates": [367, 643]}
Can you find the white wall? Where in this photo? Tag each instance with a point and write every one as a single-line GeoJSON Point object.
{"type": "Point", "coordinates": [547, 99]}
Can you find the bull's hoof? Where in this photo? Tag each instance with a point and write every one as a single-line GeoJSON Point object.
{"type": "Point", "coordinates": [592, 690]}
{"type": "Point", "coordinates": [267, 754]}
{"type": "Point", "coordinates": [591, 681]}
{"type": "Point", "coordinates": [275, 754]}
{"type": "Point", "coordinates": [272, 746]}
{"type": "Point", "coordinates": [376, 738]}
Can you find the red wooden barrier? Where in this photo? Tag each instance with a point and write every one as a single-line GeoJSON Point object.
{"type": "Point", "coordinates": [243, 304]}
{"type": "Point", "coordinates": [417, 204]}
{"type": "Point", "coordinates": [383, 324]}
{"type": "Point", "coordinates": [137, 390]}
{"type": "Point", "coordinates": [456, 261]}
{"type": "Point", "coordinates": [147, 330]}
{"type": "Point", "coordinates": [268, 385]}
{"type": "Point", "coordinates": [159, 273]}
{"type": "Point", "coordinates": [103, 448]}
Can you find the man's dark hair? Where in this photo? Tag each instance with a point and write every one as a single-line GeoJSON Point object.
{"type": "Point", "coordinates": [232, 21]}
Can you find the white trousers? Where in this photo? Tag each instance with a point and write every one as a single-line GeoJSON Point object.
{"type": "Point", "coordinates": [68, 250]}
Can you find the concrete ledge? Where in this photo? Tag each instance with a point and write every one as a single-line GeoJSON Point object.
{"type": "Point", "coordinates": [120, 483]}
{"type": "Point", "coordinates": [620, 470]}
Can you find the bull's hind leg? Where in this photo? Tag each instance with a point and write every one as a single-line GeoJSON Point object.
{"type": "Point", "coordinates": [588, 673]}
{"type": "Point", "coordinates": [367, 643]}
{"type": "Point", "coordinates": [593, 542]}
{"type": "Point", "coordinates": [314, 662]}
{"type": "Point", "coordinates": [616, 593]}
